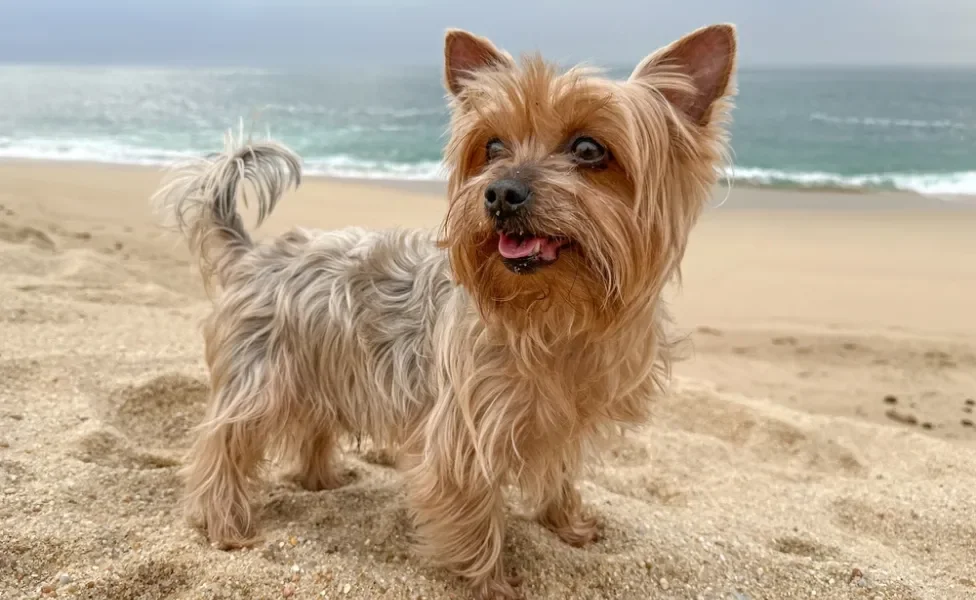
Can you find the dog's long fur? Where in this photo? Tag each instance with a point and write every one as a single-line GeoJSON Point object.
{"type": "Point", "coordinates": [481, 377]}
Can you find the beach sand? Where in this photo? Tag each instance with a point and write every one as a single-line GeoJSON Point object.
{"type": "Point", "coordinates": [817, 441]}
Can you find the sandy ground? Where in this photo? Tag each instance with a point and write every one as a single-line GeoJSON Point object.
{"type": "Point", "coordinates": [818, 441]}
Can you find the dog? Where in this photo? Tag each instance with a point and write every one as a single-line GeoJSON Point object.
{"type": "Point", "coordinates": [493, 354]}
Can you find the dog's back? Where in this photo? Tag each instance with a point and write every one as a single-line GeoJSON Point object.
{"type": "Point", "coordinates": [345, 319]}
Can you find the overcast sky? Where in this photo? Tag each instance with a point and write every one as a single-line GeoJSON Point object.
{"type": "Point", "coordinates": [275, 32]}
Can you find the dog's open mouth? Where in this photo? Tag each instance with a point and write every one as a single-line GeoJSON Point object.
{"type": "Point", "coordinates": [524, 254]}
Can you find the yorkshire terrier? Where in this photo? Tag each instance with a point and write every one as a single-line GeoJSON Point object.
{"type": "Point", "coordinates": [492, 355]}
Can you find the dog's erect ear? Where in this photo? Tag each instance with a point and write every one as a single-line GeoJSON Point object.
{"type": "Point", "coordinates": [707, 57]}
{"type": "Point", "coordinates": [465, 53]}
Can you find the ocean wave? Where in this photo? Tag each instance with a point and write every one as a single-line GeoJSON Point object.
{"type": "Point", "coordinates": [887, 122]}
{"type": "Point", "coordinates": [347, 166]}
{"type": "Point", "coordinates": [397, 113]}
{"type": "Point", "coordinates": [115, 152]}
{"type": "Point", "coordinates": [89, 150]}
{"type": "Point", "coordinates": [367, 111]}
{"type": "Point", "coordinates": [961, 183]}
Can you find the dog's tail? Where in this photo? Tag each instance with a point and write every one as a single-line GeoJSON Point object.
{"type": "Point", "coordinates": [199, 199]}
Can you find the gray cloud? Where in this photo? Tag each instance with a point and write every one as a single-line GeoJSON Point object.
{"type": "Point", "coordinates": [273, 32]}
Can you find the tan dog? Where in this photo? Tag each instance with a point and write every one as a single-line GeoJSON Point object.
{"type": "Point", "coordinates": [497, 362]}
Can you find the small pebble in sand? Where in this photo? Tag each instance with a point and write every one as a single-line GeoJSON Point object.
{"type": "Point", "coordinates": [47, 589]}
{"type": "Point", "coordinates": [346, 588]}
{"type": "Point", "coordinates": [664, 583]}
{"type": "Point", "coordinates": [288, 591]}
{"type": "Point", "coordinates": [296, 569]}
{"type": "Point", "coordinates": [905, 419]}
{"type": "Point", "coordinates": [890, 400]}
{"type": "Point", "coordinates": [64, 579]}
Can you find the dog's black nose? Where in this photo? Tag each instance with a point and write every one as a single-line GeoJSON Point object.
{"type": "Point", "coordinates": [505, 197]}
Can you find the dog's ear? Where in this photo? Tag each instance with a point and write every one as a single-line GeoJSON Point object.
{"type": "Point", "coordinates": [707, 57]}
{"type": "Point", "coordinates": [465, 53]}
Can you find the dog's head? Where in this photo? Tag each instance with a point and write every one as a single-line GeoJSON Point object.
{"type": "Point", "coordinates": [572, 195]}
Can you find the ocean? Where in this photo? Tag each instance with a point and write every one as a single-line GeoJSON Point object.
{"type": "Point", "coordinates": [904, 129]}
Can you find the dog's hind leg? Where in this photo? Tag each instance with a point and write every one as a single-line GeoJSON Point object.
{"type": "Point", "coordinates": [244, 419]}
{"type": "Point", "coordinates": [223, 461]}
{"type": "Point", "coordinates": [316, 452]}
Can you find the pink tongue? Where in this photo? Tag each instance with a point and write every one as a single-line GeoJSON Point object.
{"type": "Point", "coordinates": [510, 248]}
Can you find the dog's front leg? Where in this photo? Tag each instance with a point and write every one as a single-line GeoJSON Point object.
{"type": "Point", "coordinates": [459, 512]}
{"type": "Point", "coordinates": [462, 527]}
{"type": "Point", "coordinates": [561, 512]}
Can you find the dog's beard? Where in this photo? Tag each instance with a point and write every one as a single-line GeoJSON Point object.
{"type": "Point", "coordinates": [552, 274]}
{"type": "Point", "coordinates": [562, 264]}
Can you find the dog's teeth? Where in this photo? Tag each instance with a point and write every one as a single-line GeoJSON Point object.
{"type": "Point", "coordinates": [498, 213]}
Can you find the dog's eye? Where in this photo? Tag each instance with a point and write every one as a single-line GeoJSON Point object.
{"type": "Point", "coordinates": [588, 152]}
{"type": "Point", "coordinates": [494, 148]}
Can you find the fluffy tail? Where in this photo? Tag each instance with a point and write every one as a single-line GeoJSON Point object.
{"type": "Point", "coordinates": [199, 199]}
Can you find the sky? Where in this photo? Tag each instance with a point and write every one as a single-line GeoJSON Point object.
{"type": "Point", "coordinates": [263, 33]}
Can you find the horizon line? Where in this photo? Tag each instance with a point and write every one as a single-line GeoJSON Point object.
{"type": "Point", "coordinates": [746, 66]}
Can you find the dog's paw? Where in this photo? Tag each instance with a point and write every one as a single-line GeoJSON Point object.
{"type": "Point", "coordinates": [236, 544]}
{"type": "Point", "coordinates": [233, 539]}
{"type": "Point", "coordinates": [499, 589]}
{"type": "Point", "coordinates": [579, 532]}
{"type": "Point", "coordinates": [222, 532]}
{"type": "Point", "coordinates": [317, 481]}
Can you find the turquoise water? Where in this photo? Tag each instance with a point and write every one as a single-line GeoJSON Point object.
{"type": "Point", "coordinates": [892, 129]}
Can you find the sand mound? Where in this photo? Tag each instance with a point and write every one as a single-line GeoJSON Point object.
{"type": "Point", "coordinates": [162, 411]}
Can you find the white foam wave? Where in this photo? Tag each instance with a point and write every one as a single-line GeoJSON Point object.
{"type": "Point", "coordinates": [347, 166]}
{"type": "Point", "coordinates": [887, 122]}
{"type": "Point", "coordinates": [961, 183]}
{"type": "Point", "coordinates": [88, 150]}
{"type": "Point", "coordinates": [114, 152]}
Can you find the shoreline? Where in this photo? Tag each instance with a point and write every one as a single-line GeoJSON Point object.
{"type": "Point", "coordinates": [758, 197]}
